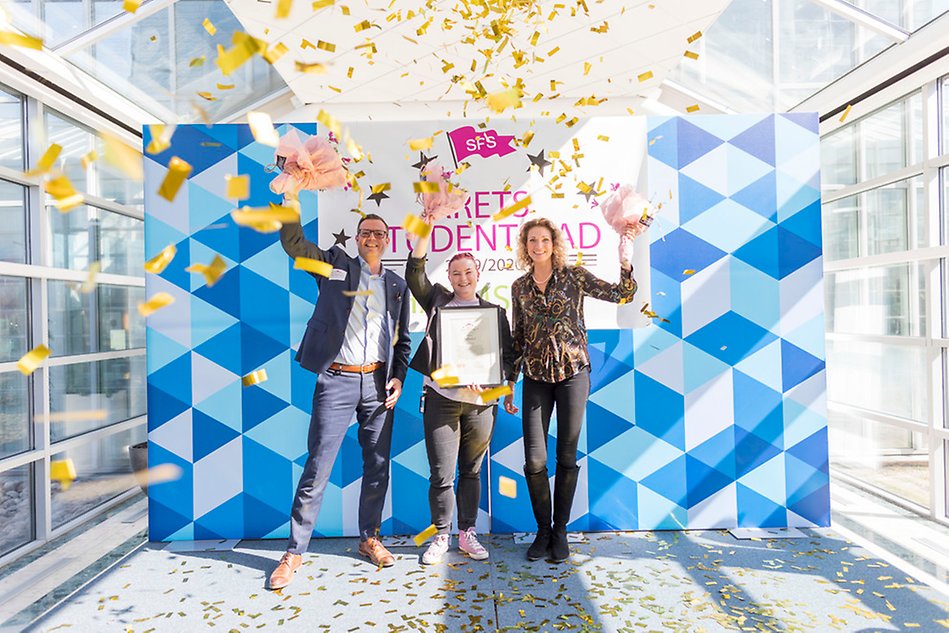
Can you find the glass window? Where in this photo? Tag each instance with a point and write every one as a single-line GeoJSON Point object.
{"type": "Point", "coordinates": [14, 414]}
{"type": "Point", "coordinates": [839, 158]}
{"type": "Point", "coordinates": [87, 234]}
{"type": "Point", "coordinates": [16, 508]}
{"type": "Point", "coordinates": [888, 300]}
{"type": "Point", "coordinates": [841, 220]}
{"type": "Point", "coordinates": [11, 130]}
{"type": "Point", "coordinates": [12, 222]}
{"type": "Point", "coordinates": [101, 321]}
{"type": "Point", "coordinates": [76, 141]}
{"type": "Point", "coordinates": [891, 138]}
{"type": "Point", "coordinates": [113, 184]}
{"type": "Point", "coordinates": [887, 457]}
{"type": "Point", "coordinates": [908, 14]}
{"type": "Point", "coordinates": [14, 327]}
{"type": "Point", "coordinates": [86, 396]}
{"type": "Point", "coordinates": [100, 469]}
{"type": "Point", "coordinates": [881, 377]}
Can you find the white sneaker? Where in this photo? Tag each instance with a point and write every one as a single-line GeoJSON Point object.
{"type": "Point", "coordinates": [436, 549]}
{"type": "Point", "coordinates": [468, 543]}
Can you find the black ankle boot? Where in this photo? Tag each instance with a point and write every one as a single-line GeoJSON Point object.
{"type": "Point", "coordinates": [539, 488]}
{"type": "Point", "coordinates": [565, 485]}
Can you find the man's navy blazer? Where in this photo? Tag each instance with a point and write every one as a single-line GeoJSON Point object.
{"type": "Point", "coordinates": [327, 327]}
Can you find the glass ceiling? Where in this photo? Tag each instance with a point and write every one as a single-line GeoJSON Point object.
{"type": "Point", "coordinates": [760, 55]}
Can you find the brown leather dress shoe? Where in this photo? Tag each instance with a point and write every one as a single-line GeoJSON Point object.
{"type": "Point", "coordinates": [283, 574]}
{"type": "Point", "coordinates": [376, 552]}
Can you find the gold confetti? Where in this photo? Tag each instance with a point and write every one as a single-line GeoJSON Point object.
{"type": "Point", "coordinates": [254, 378]}
{"type": "Point", "coordinates": [421, 143]}
{"type": "Point", "coordinates": [444, 376]}
{"type": "Point", "coordinates": [425, 186]}
{"type": "Point", "coordinates": [415, 225]}
{"type": "Point", "coordinates": [326, 46]}
{"type": "Point", "coordinates": [90, 283]}
{"type": "Point", "coordinates": [207, 96]}
{"type": "Point", "coordinates": [603, 137]}
{"type": "Point", "coordinates": [32, 359]}
{"type": "Point", "coordinates": [225, 86]}
{"type": "Point", "coordinates": [511, 209]}
{"type": "Point", "coordinates": [63, 471]}
{"type": "Point", "coordinates": [262, 128]}
{"type": "Point", "coordinates": [384, 186]}
{"type": "Point", "coordinates": [357, 293]}
{"type": "Point", "coordinates": [692, 108]}
{"type": "Point", "coordinates": [178, 172]}
{"type": "Point", "coordinates": [65, 195]}
{"type": "Point", "coordinates": [424, 535]}
{"type": "Point", "coordinates": [244, 48]}
{"type": "Point", "coordinates": [249, 216]}
{"type": "Point", "coordinates": [160, 139]}
{"type": "Point", "coordinates": [305, 44]}
{"type": "Point", "coordinates": [274, 53]}
{"type": "Point", "coordinates": [238, 187]}
{"type": "Point", "coordinates": [16, 39]}
{"type": "Point", "coordinates": [46, 161]}
{"type": "Point", "coordinates": [88, 158]}
{"type": "Point", "coordinates": [283, 8]}
{"type": "Point", "coordinates": [212, 272]}
{"type": "Point", "coordinates": [159, 262]}
{"type": "Point", "coordinates": [157, 301]}
{"type": "Point", "coordinates": [503, 99]}
{"type": "Point", "coordinates": [362, 26]}
{"type": "Point", "coordinates": [322, 4]}
{"type": "Point", "coordinates": [507, 487]}
{"type": "Point", "coordinates": [688, 271]}
{"type": "Point", "coordinates": [845, 113]}
{"type": "Point", "coordinates": [209, 27]}
{"type": "Point", "coordinates": [314, 69]}
{"type": "Point", "coordinates": [315, 266]}
{"type": "Point", "coordinates": [78, 416]}
{"type": "Point", "coordinates": [579, 261]}
{"type": "Point", "coordinates": [162, 473]}
{"type": "Point", "coordinates": [488, 395]}
{"type": "Point", "coordinates": [197, 61]}
{"type": "Point", "coordinates": [122, 157]}
{"type": "Point", "coordinates": [695, 36]}
{"type": "Point", "coordinates": [691, 55]}
{"type": "Point", "coordinates": [646, 76]}
{"type": "Point", "coordinates": [131, 5]}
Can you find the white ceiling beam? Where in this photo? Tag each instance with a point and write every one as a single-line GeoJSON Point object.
{"type": "Point", "coordinates": [121, 21]}
{"type": "Point", "coordinates": [865, 19]}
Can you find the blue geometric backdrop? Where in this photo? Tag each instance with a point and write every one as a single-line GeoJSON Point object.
{"type": "Point", "coordinates": [714, 419]}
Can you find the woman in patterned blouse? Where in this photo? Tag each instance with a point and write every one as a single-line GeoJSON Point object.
{"type": "Point", "coordinates": [550, 345]}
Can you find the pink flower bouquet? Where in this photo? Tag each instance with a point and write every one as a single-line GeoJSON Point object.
{"type": "Point", "coordinates": [446, 201]}
{"type": "Point", "coordinates": [314, 164]}
{"type": "Point", "coordinates": [624, 205]}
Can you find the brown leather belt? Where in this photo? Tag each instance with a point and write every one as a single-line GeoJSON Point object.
{"type": "Point", "coordinates": [357, 369]}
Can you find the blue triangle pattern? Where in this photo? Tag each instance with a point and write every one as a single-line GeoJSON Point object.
{"type": "Point", "coordinates": [258, 405]}
{"type": "Point", "coordinates": [758, 140]}
{"type": "Point", "coordinates": [694, 142]}
{"type": "Point", "coordinates": [797, 365]}
{"type": "Point", "coordinates": [751, 451]}
{"type": "Point", "coordinates": [695, 198]}
{"type": "Point", "coordinates": [671, 254]}
{"type": "Point", "coordinates": [224, 521]}
{"type": "Point", "coordinates": [761, 196]}
{"type": "Point", "coordinates": [755, 510]}
{"type": "Point", "coordinates": [209, 434]}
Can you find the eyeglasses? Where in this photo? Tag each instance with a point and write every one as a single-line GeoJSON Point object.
{"type": "Point", "coordinates": [365, 233]}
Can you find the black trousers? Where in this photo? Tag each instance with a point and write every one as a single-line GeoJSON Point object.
{"type": "Point", "coordinates": [570, 398]}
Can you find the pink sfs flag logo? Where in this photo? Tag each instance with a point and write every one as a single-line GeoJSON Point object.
{"type": "Point", "coordinates": [467, 141]}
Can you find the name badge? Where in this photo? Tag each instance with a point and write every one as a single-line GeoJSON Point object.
{"type": "Point", "coordinates": [338, 274]}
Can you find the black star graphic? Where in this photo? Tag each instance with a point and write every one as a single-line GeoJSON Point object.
{"type": "Point", "coordinates": [378, 197]}
{"type": "Point", "coordinates": [590, 191]}
{"type": "Point", "coordinates": [423, 160]}
{"type": "Point", "coordinates": [341, 238]}
{"type": "Point", "coordinates": [539, 161]}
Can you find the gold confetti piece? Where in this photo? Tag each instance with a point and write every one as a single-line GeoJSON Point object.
{"type": "Point", "coordinates": [159, 262]}
{"type": "Point", "coordinates": [233, 58]}
{"type": "Point", "coordinates": [488, 395]}
{"type": "Point", "coordinates": [421, 143]}
{"type": "Point", "coordinates": [225, 86]}
{"type": "Point", "coordinates": [326, 46]}
{"type": "Point", "coordinates": [157, 301]}
{"type": "Point", "coordinates": [262, 128]}
{"type": "Point", "coordinates": [424, 535]}
{"type": "Point", "coordinates": [65, 195]}
{"type": "Point", "coordinates": [305, 44]}
{"type": "Point", "coordinates": [254, 378]}
{"type": "Point", "coordinates": [314, 69]}
{"type": "Point", "coordinates": [692, 108]}
{"type": "Point", "coordinates": [122, 157]}
{"type": "Point", "coordinates": [160, 139]}
{"type": "Point", "coordinates": [283, 8]}
{"type": "Point", "coordinates": [511, 209]}
{"type": "Point", "coordinates": [425, 187]}
{"type": "Point", "coordinates": [322, 4]}
{"type": "Point", "coordinates": [178, 172]}
{"type": "Point", "coordinates": [695, 36]}
{"type": "Point", "coordinates": [646, 76]}
{"type": "Point", "coordinates": [688, 271]}
{"type": "Point", "coordinates": [503, 99]}
{"type": "Point", "coordinates": [32, 359]}
{"type": "Point", "coordinates": [162, 473]}
{"type": "Point", "coordinates": [274, 53]}
{"type": "Point", "coordinates": [691, 55]}
{"type": "Point", "coordinates": [91, 415]}
{"type": "Point", "coordinates": [88, 158]}
{"type": "Point", "coordinates": [238, 187]}
{"type": "Point", "coordinates": [415, 225]}
{"type": "Point", "coordinates": [207, 96]}
{"type": "Point", "coordinates": [845, 113]}
{"type": "Point", "coordinates": [586, 68]}
{"type": "Point", "coordinates": [197, 61]}
{"type": "Point", "coordinates": [579, 261]}
{"type": "Point", "coordinates": [46, 161]}
{"type": "Point", "coordinates": [131, 6]}
{"type": "Point", "coordinates": [362, 26]}
{"type": "Point", "coordinates": [209, 27]}
{"type": "Point", "coordinates": [212, 272]}
{"type": "Point", "coordinates": [603, 137]}
{"type": "Point", "coordinates": [445, 376]}
{"type": "Point", "coordinates": [315, 266]}
{"type": "Point", "coordinates": [24, 41]}
{"type": "Point", "coordinates": [248, 216]}
{"type": "Point", "coordinates": [384, 186]}
{"type": "Point", "coordinates": [90, 283]}
{"type": "Point", "coordinates": [357, 293]}
{"type": "Point", "coordinates": [507, 487]}
{"type": "Point", "coordinates": [63, 471]}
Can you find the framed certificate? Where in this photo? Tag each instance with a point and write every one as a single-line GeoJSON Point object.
{"type": "Point", "coordinates": [469, 342]}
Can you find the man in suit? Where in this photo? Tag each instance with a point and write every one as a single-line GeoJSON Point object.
{"type": "Point", "coordinates": [357, 341]}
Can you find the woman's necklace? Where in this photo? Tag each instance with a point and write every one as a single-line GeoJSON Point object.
{"type": "Point", "coordinates": [540, 282]}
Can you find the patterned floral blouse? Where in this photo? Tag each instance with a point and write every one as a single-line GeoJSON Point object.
{"type": "Point", "coordinates": [550, 336]}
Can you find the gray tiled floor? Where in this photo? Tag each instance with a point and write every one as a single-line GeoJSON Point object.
{"type": "Point", "coordinates": [672, 581]}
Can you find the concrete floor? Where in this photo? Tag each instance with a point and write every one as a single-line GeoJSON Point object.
{"type": "Point", "coordinates": [664, 581]}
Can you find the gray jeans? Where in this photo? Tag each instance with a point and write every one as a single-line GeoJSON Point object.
{"type": "Point", "coordinates": [457, 435]}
